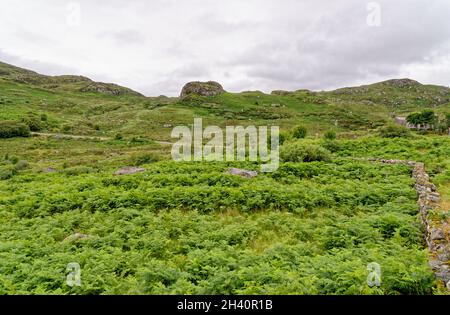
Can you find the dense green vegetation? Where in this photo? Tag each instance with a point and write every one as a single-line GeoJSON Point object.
{"type": "Point", "coordinates": [190, 228]}
{"type": "Point", "coordinates": [11, 129]}
{"type": "Point", "coordinates": [311, 227]}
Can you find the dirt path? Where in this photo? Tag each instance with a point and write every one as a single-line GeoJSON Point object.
{"type": "Point", "coordinates": [62, 136]}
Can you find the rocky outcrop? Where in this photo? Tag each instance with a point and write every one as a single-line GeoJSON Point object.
{"type": "Point", "coordinates": [401, 83]}
{"type": "Point", "coordinates": [281, 92]}
{"type": "Point", "coordinates": [437, 230]}
{"type": "Point", "coordinates": [209, 88]}
{"type": "Point", "coordinates": [107, 88]}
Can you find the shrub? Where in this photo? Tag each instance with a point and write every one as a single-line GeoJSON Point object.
{"type": "Point", "coordinates": [10, 129]}
{"type": "Point", "coordinates": [299, 132]}
{"type": "Point", "coordinates": [78, 170]}
{"type": "Point", "coordinates": [118, 136]}
{"type": "Point", "coordinates": [66, 128]}
{"type": "Point", "coordinates": [394, 131]}
{"type": "Point", "coordinates": [330, 135]}
{"type": "Point", "coordinates": [331, 145]}
{"type": "Point", "coordinates": [21, 165]}
{"type": "Point", "coordinates": [6, 172]}
{"type": "Point", "coordinates": [14, 159]}
{"type": "Point", "coordinates": [33, 123]}
{"type": "Point", "coordinates": [299, 152]}
{"type": "Point", "coordinates": [145, 159]}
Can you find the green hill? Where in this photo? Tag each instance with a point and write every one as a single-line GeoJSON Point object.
{"type": "Point", "coordinates": [78, 103]}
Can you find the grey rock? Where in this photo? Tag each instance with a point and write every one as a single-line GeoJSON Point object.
{"type": "Point", "coordinates": [437, 234]}
{"type": "Point", "coordinates": [434, 264]}
{"type": "Point", "coordinates": [129, 170]}
{"type": "Point", "coordinates": [242, 173]}
{"type": "Point", "coordinates": [77, 236]}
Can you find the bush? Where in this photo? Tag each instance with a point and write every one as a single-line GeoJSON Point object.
{"type": "Point", "coordinates": [394, 131]}
{"type": "Point", "coordinates": [21, 165]}
{"type": "Point", "coordinates": [331, 145]}
{"type": "Point", "coordinates": [283, 137]}
{"type": "Point", "coordinates": [33, 123]}
{"type": "Point", "coordinates": [6, 173]}
{"type": "Point", "coordinates": [118, 136]}
{"type": "Point", "coordinates": [330, 135]}
{"type": "Point", "coordinates": [145, 159]}
{"type": "Point", "coordinates": [14, 159]}
{"type": "Point", "coordinates": [299, 132]}
{"type": "Point", "coordinates": [10, 129]}
{"type": "Point", "coordinates": [78, 170]}
{"type": "Point", "coordinates": [299, 152]}
{"type": "Point", "coordinates": [66, 128]}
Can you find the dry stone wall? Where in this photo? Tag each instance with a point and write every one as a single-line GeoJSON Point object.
{"type": "Point", "coordinates": [437, 229]}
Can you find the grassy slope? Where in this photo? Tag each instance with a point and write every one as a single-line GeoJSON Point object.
{"type": "Point", "coordinates": [133, 115]}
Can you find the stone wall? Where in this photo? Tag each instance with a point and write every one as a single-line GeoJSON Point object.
{"type": "Point", "coordinates": [437, 230]}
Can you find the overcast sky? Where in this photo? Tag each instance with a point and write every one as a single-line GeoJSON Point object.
{"type": "Point", "coordinates": [156, 46]}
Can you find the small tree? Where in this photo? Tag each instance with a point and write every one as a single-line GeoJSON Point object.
{"type": "Point", "coordinates": [429, 117]}
{"type": "Point", "coordinates": [414, 119]}
{"type": "Point", "coordinates": [424, 118]}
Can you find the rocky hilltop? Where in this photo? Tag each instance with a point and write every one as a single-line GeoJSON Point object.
{"type": "Point", "coordinates": [209, 88]}
{"type": "Point", "coordinates": [62, 82]}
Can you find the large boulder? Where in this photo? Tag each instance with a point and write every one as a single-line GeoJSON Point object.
{"type": "Point", "coordinates": [209, 88]}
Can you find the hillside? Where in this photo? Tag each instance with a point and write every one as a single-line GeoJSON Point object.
{"type": "Point", "coordinates": [335, 204]}
{"type": "Point", "coordinates": [70, 83]}
{"type": "Point", "coordinates": [81, 106]}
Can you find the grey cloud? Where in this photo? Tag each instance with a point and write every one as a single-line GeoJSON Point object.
{"type": "Point", "coordinates": [339, 50]}
{"type": "Point", "coordinates": [36, 65]}
{"type": "Point", "coordinates": [121, 37]}
{"type": "Point", "coordinates": [158, 46]}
